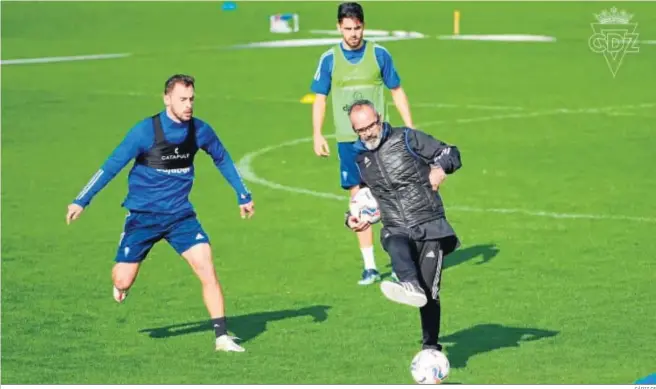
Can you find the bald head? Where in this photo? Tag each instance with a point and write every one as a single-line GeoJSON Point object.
{"type": "Point", "coordinates": [366, 123]}
{"type": "Point", "coordinates": [361, 113]}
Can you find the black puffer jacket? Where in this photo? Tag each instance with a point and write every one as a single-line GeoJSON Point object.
{"type": "Point", "coordinates": [397, 172]}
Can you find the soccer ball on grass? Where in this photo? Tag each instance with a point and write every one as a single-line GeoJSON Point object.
{"type": "Point", "coordinates": [429, 367]}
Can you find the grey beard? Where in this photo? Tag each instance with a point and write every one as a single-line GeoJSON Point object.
{"type": "Point", "coordinates": [372, 144]}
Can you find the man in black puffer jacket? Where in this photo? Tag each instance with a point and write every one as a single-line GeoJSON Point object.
{"type": "Point", "coordinates": [404, 168]}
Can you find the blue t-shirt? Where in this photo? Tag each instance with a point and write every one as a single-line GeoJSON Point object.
{"type": "Point", "coordinates": [160, 190]}
{"type": "Point", "coordinates": [323, 75]}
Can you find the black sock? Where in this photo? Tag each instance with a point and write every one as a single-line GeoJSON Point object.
{"type": "Point", "coordinates": [219, 324]}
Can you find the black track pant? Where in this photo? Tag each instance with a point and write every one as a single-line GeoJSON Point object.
{"type": "Point", "coordinates": [421, 261]}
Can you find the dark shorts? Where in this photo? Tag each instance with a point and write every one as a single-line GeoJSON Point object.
{"type": "Point", "coordinates": [142, 230]}
{"type": "Point", "coordinates": [349, 172]}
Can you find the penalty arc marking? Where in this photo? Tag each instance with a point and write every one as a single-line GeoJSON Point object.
{"type": "Point", "coordinates": [245, 166]}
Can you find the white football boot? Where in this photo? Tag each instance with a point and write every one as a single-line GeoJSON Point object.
{"type": "Point", "coordinates": [227, 343]}
{"type": "Point", "coordinates": [407, 293]}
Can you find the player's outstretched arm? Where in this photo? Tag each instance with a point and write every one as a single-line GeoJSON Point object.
{"type": "Point", "coordinates": [321, 84]}
{"type": "Point", "coordinates": [133, 143]}
{"type": "Point", "coordinates": [393, 83]}
{"type": "Point", "coordinates": [209, 141]}
{"type": "Point", "coordinates": [321, 148]}
{"type": "Point", "coordinates": [74, 212]}
{"type": "Point", "coordinates": [402, 105]}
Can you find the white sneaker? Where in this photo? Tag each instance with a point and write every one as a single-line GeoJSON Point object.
{"type": "Point", "coordinates": [120, 295]}
{"type": "Point", "coordinates": [404, 293]}
{"type": "Point", "coordinates": [227, 343]}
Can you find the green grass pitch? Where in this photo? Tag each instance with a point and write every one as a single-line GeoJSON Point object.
{"type": "Point", "coordinates": [554, 203]}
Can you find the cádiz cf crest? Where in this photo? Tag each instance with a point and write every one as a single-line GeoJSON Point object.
{"type": "Point", "coordinates": [614, 36]}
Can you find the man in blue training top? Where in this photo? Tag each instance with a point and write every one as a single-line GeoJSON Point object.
{"type": "Point", "coordinates": [163, 147]}
{"type": "Point", "coordinates": [355, 69]}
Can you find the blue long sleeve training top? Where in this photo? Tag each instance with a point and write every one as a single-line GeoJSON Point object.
{"type": "Point", "coordinates": [162, 190]}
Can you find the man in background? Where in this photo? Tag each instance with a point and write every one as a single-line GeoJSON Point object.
{"type": "Point", "coordinates": [352, 70]}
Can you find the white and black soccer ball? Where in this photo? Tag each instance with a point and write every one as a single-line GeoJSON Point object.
{"type": "Point", "coordinates": [364, 206]}
{"type": "Point", "coordinates": [429, 367]}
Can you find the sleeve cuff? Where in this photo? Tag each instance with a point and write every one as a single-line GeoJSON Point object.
{"type": "Point", "coordinates": [393, 85]}
{"type": "Point", "coordinates": [244, 198]}
{"type": "Point", "coordinates": [436, 164]}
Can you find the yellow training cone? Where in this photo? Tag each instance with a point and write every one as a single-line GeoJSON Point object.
{"type": "Point", "coordinates": [308, 99]}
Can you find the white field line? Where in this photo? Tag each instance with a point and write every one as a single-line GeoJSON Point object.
{"type": "Point", "coordinates": [612, 111]}
{"type": "Point", "coordinates": [376, 35]}
{"type": "Point", "coordinates": [91, 57]}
